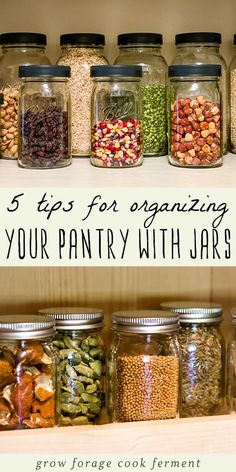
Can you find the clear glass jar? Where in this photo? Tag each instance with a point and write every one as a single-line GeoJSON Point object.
{"type": "Point", "coordinates": [144, 49]}
{"type": "Point", "coordinates": [195, 116]}
{"type": "Point", "coordinates": [80, 51]}
{"type": "Point", "coordinates": [232, 80]}
{"type": "Point", "coordinates": [204, 48]}
{"type": "Point", "coordinates": [231, 368]}
{"type": "Point", "coordinates": [44, 117]}
{"type": "Point", "coordinates": [203, 357]}
{"type": "Point", "coordinates": [116, 135]}
{"type": "Point", "coordinates": [28, 372]}
{"type": "Point", "coordinates": [143, 366]}
{"type": "Point", "coordinates": [82, 363]}
{"type": "Point", "coordinates": [18, 49]}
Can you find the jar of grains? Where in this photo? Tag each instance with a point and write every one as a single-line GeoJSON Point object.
{"type": "Point", "coordinates": [82, 364]}
{"type": "Point", "coordinates": [145, 49]}
{"type": "Point", "coordinates": [204, 48]}
{"type": "Point", "coordinates": [18, 49]}
{"type": "Point", "coordinates": [232, 77]}
{"type": "Point", "coordinates": [143, 366]}
{"type": "Point", "coordinates": [44, 117]}
{"type": "Point", "coordinates": [203, 352]}
{"type": "Point", "coordinates": [28, 379]}
{"type": "Point", "coordinates": [116, 116]}
{"type": "Point", "coordinates": [195, 116]}
{"type": "Point", "coordinates": [231, 368]}
{"type": "Point", "coordinates": [80, 51]}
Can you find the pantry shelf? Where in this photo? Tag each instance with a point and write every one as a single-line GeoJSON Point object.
{"type": "Point", "coordinates": [192, 435]}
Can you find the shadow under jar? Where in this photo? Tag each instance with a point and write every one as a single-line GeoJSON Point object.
{"type": "Point", "coordinates": [28, 372]}
{"type": "Point", "coordinates": [44, 117]}
{"type": "Point", "coordinates": [203, 357]}
{"type": "Point", "coordinates": [195, 106]}
{"type": "Point", "coordinates": [143, 366]}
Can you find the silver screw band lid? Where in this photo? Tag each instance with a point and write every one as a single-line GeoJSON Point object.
{"type": "Point", "coordinates": [26, 327]}
{"type": "Point", "coordinates": [77, 318]}
{"type": "Point", "coordinates": [145, 321]}
{"type": "Point", "coordinates": [194, 312]}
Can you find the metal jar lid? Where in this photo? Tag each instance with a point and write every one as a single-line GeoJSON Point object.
{"type": "Point", "coordinates": [116, 71]}
{"type": "Point", "coordinates": [82, 39]}
{"type": "Point", "coordinates": [23, 37]}
{"type": "Point", "coordinates": [194, 70]}
{"type": "Point", "coordinates": [77, 318]}
{"type": "Point", "coordinates": [198, 38]}
{"type": "Point", "coordinates": [26, 327]}
{"type": "Point", "coordinates": [233, 315]}
{"type": "Point", "coordinates": [145, 321]}
{"type": "Point", "coordinates": [44, 71]}
{"type": "Point", "coordinates": [195, 312]}
{"type": "Point", "coordinates": [125, 39]}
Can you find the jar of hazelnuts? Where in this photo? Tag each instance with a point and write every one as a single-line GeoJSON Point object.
{"type": "Point", "coordinates": [195, 116]}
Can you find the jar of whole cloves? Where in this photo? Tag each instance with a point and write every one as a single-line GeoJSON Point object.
{"type": "Point", "coordinates": [28, 377]}
{"type": "Point", "coordinates": [82, 365]}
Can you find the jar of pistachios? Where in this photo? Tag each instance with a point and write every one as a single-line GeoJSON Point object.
{"type": "Point", "coordinates": [80, 348]}
{"type": "Point", "coordinates": [231, 367]}
{"type": "Point", "coordinates": [202, 349]}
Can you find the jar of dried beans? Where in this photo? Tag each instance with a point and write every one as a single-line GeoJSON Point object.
{"type": "Point", "coordinates": [232, 77]}
{"type": "Point", "coordinates": [28, 372]}
{"type": "Point", "coordinates": [116, 116]}
{"type": "Point", "coordinates": [145, 49]}
{"type": "Point", "coordinates": [80, 51]}
{"type": "Point", "coordinates": [203, 357]}
{"type": "Point", "coordinates": [82, 366]}
{"type": "Point", "coordinates": [44, 117]}
{"type": "Point", "coordinates": [195, 116]}
{"type": "Point", "coordinates": [18, 49]}
{"type": "Point", "coordinates": [143, 366]}
{"type": "Point", "coordinates": [204, 48]}
{"type": "Point", "coordinates": [231, 368]}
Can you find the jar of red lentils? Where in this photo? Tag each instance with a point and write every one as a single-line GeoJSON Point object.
{"type": "Point", "coordinates": [195, 116]}
{"type": "Point", "coordinates": [116, 116]}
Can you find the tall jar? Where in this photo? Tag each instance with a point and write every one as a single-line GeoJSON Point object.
{"type": "Point", "coordinates": [144, 49]}
{"type": "Point", "coordinates": [143, 366]}
{"type": "Point", "coordinates": [80, 51]}
{"type": "Point", "coordinates": [204, 48]}
{"type": "Point", "coordinates": [82, 364]}
{"type": "Point", "coordinates": [203, 357]}
{"type": "Point", "coordinates": [232, 78]}
{"type": "Point", "coordinates": [17, 49]}
{"type": "Point", "coordinates": [195, 116]}
{"type": "Point", "coordinates": [44, 117]}
{"type": "Point", "coordinates": [231, 368]}
{"type": "Point", "coordinates": [28, 377]}
{"type": "Point", "coordinates": [116, 135]}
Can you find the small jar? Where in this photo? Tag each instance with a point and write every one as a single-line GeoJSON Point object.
{"type": "Point", "coordinates": [231, 368]}
{"type": "Point", "coordinates": [44, 117]}
{"type": "Point", "coordinates": [204, 48]}
{"type": "Point", "coordinates": [232, 78]}
{"type": "Point", "coordinates": [203, 357]}
{"type": "Point", "coordinates": [144, 49]}
{"type": "Point", "coordinates": [82, 365]}
{"type": "Point", "coordinates": [17, 49]}
{"type": "Point", "coordinates": [116, 139]}
{"type": "Point", "coordinates": [143, 366]}
{"type": "Point", "coordinates": [195, 116]}
{"type": "Point", "coordinates": [80, 51]}
{"type": "Point", "coordinates": [28, 379]}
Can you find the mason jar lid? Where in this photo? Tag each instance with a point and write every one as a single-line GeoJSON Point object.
{"type": "Point", "coordinates": [77, 318]}
{"type": "Point", "coordinates": [116, 71]}
{"type": "Point", "coordinates": [145, 321]}
{"type": "Point", "coordinates": [233, 315]}
{"type": "Point", "coordinates": [23, 38]}
{"type": "Point", "coordinates": [198, 37]}
{"type": "Point", "coordinates": [1, 99]}
{"type": "Point", "coordinates": [26, 327]}
{"type": "Point", "coordinates": [79, 39]}
{"type": "Point", "coordinates": [234, 41]}
{"type": "Point", "coordinates": [193, 70]}
{"type": "Point", "coordinates": [45, 71]}
{"type": "Point", "coordinates": [194, 312]}
{"type": "Point", "coordinates": [139, 38]}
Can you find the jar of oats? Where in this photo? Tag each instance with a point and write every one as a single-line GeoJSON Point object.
{"type": "Point", "coordinates": [80, 51]}
{"type": "Point", "coordinates": [143, 366]}
{"type": "Point", "coordinates": [17, 49]}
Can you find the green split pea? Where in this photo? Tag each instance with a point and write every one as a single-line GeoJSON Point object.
{"type": "Point", "coordinates": [154, 119]}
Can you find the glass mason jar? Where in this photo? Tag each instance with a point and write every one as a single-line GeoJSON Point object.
{"type": "Point", "coordinates": [44, 117]}
{"type": "Point", "coordinates": [204, 48]}
{"type": "Point", "coordinates": [80, 51]}
{"type": "Point", "coordinates": [82, 363]}
{"type": "Point", "coordinates": [203, 357]}
{"type": "Point", "coordinates": [143, 366]}
{"type": "Point", "coordinates": [18, 49]}
{"type": "Point", "coordinates": [231, 368]}
{"type": "Point", "coordinates": [116, 116]}
{"type": "Point", "coordinates": [232, 78]}
{"type": "Point", "coordinates": [195, 116]}
{"type": "Point", "coordinates": [28, 378]}
{"type": "Point", "coordinates": [144, 49]}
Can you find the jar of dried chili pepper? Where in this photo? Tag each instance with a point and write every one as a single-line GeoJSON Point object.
{"type": "Point", "coordinates": [28, 372]}
{"type": "Point", "coordinates": [116, 134]}
{"type": "Point", "coordinates": [44, 117]}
